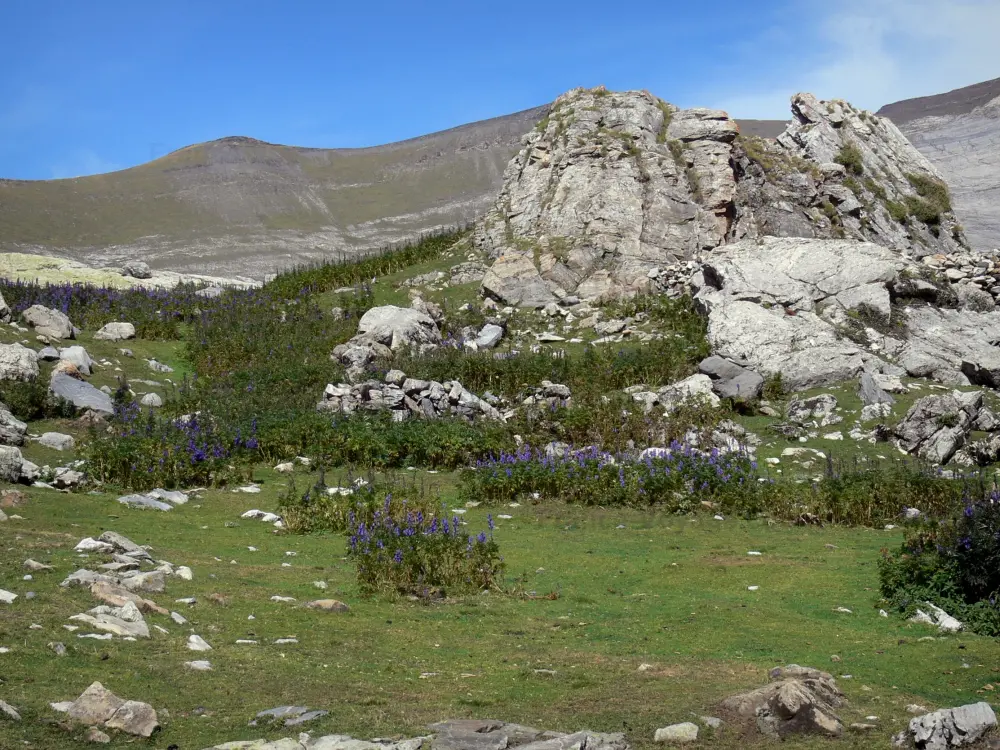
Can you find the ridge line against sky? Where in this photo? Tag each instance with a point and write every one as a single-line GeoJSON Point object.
{"type": "Point", "coordinates": [112, 84]}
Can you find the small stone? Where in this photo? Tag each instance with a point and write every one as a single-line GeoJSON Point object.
{"type": "Point", "coordinates": [58, 648]}
{"type": "Point", "coordinates": [152, 399]}
{"type": "Point", "coordinates": [96, 736]}
{"type": "Point", "coordinates": [9, 711]}
{"type": "Point", "coordinates": [678, 734]}
{"type": "Point", "coordinates": [198, 666]}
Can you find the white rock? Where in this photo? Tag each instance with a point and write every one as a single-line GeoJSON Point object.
{"type": "Point", "coordinates": [197, 643]}
{"type": "Point", "coordinates": [7, 597]}
{"type": "Point", "coordinates": [198, 666]}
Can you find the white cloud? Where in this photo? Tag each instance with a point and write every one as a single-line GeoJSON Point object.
{"type": "Point", "coordinates": [81, 163]}
{"type": "Point", "coordinates": [874, 52]}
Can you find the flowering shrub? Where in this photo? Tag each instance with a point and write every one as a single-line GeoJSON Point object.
{"type": "Point", "coordinates": [355, 501]}
{"type": "Point", "coordinates": [141, 451]}
{"type": "Point", "coordinates": [954, 564]}
{"type": "Point", "coordinates": [677, 479]}
{"type": "Point", "coordinates": [418, 552]}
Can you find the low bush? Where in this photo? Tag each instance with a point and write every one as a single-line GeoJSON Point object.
{"type": "Point", "coordinates": [851, 158]}
{"type": "Point", "coordinates": [353, 502]}
{"type": "Point", "coordinates": [420, 554]}
{"type": "Point", "coordinates": [32, 401]}
{"type": "Point", "coordinates": [676, 479]}
{"type": "Point", "coordinates": [954, 564]}
{"type": "Point", "coordinates": [141, 451]}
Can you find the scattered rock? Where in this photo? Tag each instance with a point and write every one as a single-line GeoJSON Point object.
{"type": "Point", "coordinates": [96, 736]}
{"type": "Point", "coordinates": [732, 380]}
{"type": "Point", "coordinates": [152, 399]}
{"type": "Point", "coordinates": [79, 358]}
{"type": "Point", "coordinates": [18, 363]}
{"type": "Point", "coordinates": [95, 705]}
{"type": "Point", "coordinates": [489, 336]}
{"type": "Point", "coordinates": [199, 665]}
{"type": "Point", "coordinates": [134, 717]}
{"type": "Point", "coordinates": [81, 395]}
{"type": "Point", "coordinates": [48, 322]}
{"type": "Point", "coordinates": [8, 711]}
{"type": "Point", "coordinates": [144, 501]}
{"type": "Point", "coordinates": [677, 734]}
{"type": "Point", "coordinates": [12, 429]}
{"type": "Point", "coordinates": [57, 441]}
{"type": "Point", "coordinates": [137, 269]}
{"type": "Point", "coordinates": [11, 463]}
{"type": "Point", "coordinates": [798, 700]}
{"type": "Point", "coordinates": [950, 727]}
{"type": "Point", "coordinates": [197, 643]}
{"type": "Point", "coordinates": [937, 617]}
{"type": "Point", "coordinates": [116, 332]}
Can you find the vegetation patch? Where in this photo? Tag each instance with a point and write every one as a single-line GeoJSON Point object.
{"type": "Point", "coordinates": [851, 158]}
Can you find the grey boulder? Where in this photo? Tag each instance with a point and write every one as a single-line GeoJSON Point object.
{"type": "Point", "coordinates": [870, 392]}
{"type": "Point", "coordinates": [116, 332]}
{"type": "Point", "coordinates": [399, 327]}
{"type": "Point", "coordinates": [77, 355]}
{"type": "Point", "coordinates": [57, 441]}
{"type": "Point", "coordinates": [489, 336]}
{"type": "Point", "coordinates": [514, 280]}
{"type": "Point", "coordinates": [137, 269]}
{"type": "Point", "coordinates": [18, 363]}
{"type": "Point", "coordinates": [730, 380]}
{"type": "Point", "coordinates": [935, 427]}
{"type": "Point", "coordinates": [950, 727]}
{"type": "Point", "coordinates": [81, 395]}
{"type": "Point", "coordinates": [11, 462]}
{"type": "Point", "coordinates": [12, 429]}
{"type": "Point", "coordinates": [48, 322]}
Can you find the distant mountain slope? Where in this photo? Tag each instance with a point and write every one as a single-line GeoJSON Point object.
{"type": "Point", "coordinates": [243, 206]}
{"type": "Point", "coordinates": [959, 131]}
{"type": "Point", "coordinates": [958, 102]}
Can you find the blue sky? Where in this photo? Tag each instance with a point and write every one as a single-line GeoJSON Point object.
{"type": "Point", "coordinates": [90, 87]}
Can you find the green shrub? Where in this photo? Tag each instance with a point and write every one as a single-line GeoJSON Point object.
{"type": "Point", "coordinates": [899, 212]}
{"type": "Point", "coordinates": [356, 500]}
{"type": "Point", "coordinates": [953, 564]}
{"type": "Point", "coordinates": [417, 554]}
{"type": "Point", "coordinates": [851, 158]}
{"type": "Point", "coordinates": [32, 401]}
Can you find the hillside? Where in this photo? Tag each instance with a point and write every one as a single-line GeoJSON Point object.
{"type": "Point", "coordinates": [243, 206]}
{"type": "Point", "coordinates": [959, 131]}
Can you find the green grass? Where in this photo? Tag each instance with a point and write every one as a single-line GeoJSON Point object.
{"type": "Point", "coordinates": [669, 591]}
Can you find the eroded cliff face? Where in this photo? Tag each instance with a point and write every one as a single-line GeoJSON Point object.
{"type": "Point", "coordinates": [612, 191]}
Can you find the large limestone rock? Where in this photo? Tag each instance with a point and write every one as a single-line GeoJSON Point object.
{"type": "Point", "coordinates": [12, 429]}
{"type": "Point", "coordinates": [18, 363]}
{"type": "Point", "coordinates": [798, 700]}
{"type": "Point", "coordinates": [81, 395]}
{"type": "Point", "coordinates": [774, 303]}
{"type": "Point", "coordinates": [935, 427]}
{"type": "Point", "coordinates": [399, 327]}
{"type": "Point", "coordinates": [514, 279]}
{"type": "Point", "coordinates": [948, 728]}
{"type": "Point", "coordinates": [611, 188]}
{"type": "Point", "coordinates": [116, 332]}
{"type": "Point", "coordinates": [48, 322]}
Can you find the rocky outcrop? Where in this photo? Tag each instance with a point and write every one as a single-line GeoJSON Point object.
{"type": "Point", "coordinates": [798, 700]}
{"type": "Point", "coordinates": [937, 426]}
{"type": "Point", "coordinates": [948, 728]}
{"type": "Point", "coordinates": [611, 189]}
{"type": "Point", "coordinates": [382, 331]}
{"type": "Point", "coordinates": [824, 311]}
{"type": "Point", "coordinates": [406, 397]}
